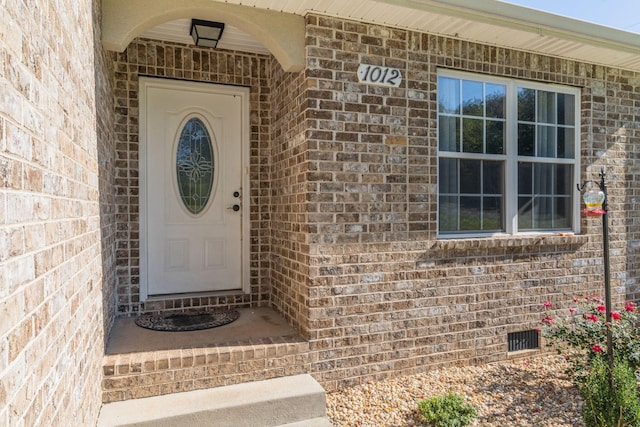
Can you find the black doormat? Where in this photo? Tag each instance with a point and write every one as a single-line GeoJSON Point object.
{"type": "Point", "coordinates": [180, 322]}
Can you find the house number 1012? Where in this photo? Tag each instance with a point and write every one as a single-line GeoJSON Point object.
{"type": "Point", "coordinates": [379, 75]}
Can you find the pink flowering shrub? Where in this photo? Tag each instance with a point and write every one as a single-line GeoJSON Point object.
{"type": "Point", "coordinates": [581, 335]}
{"type": "Point", "coordinates": [609, 389]}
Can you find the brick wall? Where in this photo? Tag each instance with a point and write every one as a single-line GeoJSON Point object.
{"type": "Point", "coordinates": [51, 279]}
{"type": "Point", "coordinates": [289, 218]}
{"type": "Point", "coordinates": [343, 207]}
{"type": "Point", "coordinates": [171, 60]}
{"type": "Point", "coordinates": [386, 297]}
{"type": "Point", "coordinates": [106, 128]}
{"type": "Point", "coordinates": [343, 200]}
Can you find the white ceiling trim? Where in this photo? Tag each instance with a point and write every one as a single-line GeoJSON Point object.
{"type": "Point", "coordinates": [282, 33]}
{"type": "Point", "coordinates": [232, 38]}
{"type": "Point", "coordinates": [484, 21]}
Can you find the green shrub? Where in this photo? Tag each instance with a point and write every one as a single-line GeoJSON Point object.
{"type": "Point", "coordinates": [450, 410]}
{"type": "Point", "coordinates": [606, 407]}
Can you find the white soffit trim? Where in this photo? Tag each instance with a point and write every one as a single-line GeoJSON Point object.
{"type": "Point", "coordinates": [523, 18]}
{"type": "Point", "coordinates": [282, 33]}
{"type": "Point", "coordinates": [178, 31]}
{"type": "Point", "coordinates": [518, 27]}
{"type": "Point", "coordinates": [485, 21]}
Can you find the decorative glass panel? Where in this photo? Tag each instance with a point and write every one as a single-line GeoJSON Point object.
{"type": "Point", "coordinates": [195, 165]}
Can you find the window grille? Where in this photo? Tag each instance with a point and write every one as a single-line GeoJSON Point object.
{"type": "Point", "coordinates": [508, 156]}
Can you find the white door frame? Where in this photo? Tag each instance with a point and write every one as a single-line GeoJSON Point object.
{"type": "Point", "coordinates": [244, 94]}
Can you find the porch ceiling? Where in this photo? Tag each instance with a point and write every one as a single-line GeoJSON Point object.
{"type": "Point", "coordinates": [487, 21]}
{"type": "Point", "coordinates": [281, 33]}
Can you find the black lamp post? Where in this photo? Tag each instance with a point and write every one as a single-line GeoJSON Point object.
{"type": "Point", "coordinates": [596, 205]}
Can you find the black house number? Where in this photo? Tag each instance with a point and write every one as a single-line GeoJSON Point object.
{"type": "Point", "coordinates": [379, 75]}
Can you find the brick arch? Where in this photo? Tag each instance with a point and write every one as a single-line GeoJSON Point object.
{"type": "Point", "coordinates": [281, 33]}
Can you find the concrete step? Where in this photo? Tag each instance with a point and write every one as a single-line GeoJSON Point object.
{"type": "Point", "coordinates": [316, 422]}
{"type": "Point", "coordinates": [295, 401]}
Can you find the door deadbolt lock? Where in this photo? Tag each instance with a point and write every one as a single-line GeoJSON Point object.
{"type": "Point", "coordinates": [236, 194]}
{"type": "Point", "coordinates": [235, 208]}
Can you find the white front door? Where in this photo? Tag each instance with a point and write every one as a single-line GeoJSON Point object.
{"type": "Point", "coordinates": [194, 152]}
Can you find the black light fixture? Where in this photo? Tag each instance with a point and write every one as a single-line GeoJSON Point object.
{"type": "Point", "coordinates": [206, 33]}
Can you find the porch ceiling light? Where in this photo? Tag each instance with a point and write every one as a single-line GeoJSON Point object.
{"type": "Point", "coordinates": [206, 33]}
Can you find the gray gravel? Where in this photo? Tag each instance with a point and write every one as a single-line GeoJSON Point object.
{"type": "Point", "coordinates": [533, 392]}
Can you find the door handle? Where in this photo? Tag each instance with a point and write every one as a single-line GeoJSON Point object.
{"type": "Point", "coordinates": [234, 208]}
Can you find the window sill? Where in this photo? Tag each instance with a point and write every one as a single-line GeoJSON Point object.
{"type": "Point", "coordinates": [536, 241]}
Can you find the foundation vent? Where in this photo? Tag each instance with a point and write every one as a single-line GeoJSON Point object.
{"type": "Point", "coordinates": [523, 340]}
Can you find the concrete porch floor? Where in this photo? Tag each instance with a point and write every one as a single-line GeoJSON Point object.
{"type": "Point", "coordinates": [143, 363]}
{"type": "Point", "coordinates": [255, 368]}
{"type": "Point", "coordinates": [261, 324]}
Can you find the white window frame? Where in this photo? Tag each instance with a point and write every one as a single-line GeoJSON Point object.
{"type": "Point", "coordinates": [511, 157]}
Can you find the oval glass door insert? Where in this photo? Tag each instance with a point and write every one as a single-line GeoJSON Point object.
{"type": "Point", "coordinates": [195, 165]}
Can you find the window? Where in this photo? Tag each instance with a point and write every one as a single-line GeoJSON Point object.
{"type": "Point", "coordinates": [507, 156]}
{"type": "Point", "coordinates": [195, 165]}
